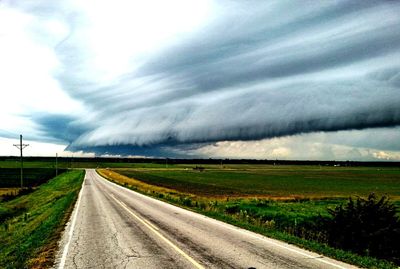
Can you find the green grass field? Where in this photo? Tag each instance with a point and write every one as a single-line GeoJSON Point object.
{"type": "Point", "coordinates": [274, 181]}
{"type": "Point", "coordinates": [30, 225]}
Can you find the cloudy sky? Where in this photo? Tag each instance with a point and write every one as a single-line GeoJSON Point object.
{"type": "Point", "coordinates": [202, 78]}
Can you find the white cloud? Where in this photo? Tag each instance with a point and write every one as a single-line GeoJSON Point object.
{"type": "Point", "coordinates": [387, 156]}
{"type": "Point", "coordinates": [116, 37]}
{"type": "Point", "coordinates": [28, 62]}
{"type": "Point", "coordinates": [36, 148]}
{"type": "Point", "coordinates": [313, 146]}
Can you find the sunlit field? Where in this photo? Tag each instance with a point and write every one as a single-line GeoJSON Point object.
{"type": "Point", "coordinates": [270, 181]}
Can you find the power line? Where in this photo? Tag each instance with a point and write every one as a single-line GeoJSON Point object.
{"type": "Point", "coordinates": [21, 146]}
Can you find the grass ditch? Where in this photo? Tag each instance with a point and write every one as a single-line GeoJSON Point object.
{"type": "Point", "coordinates": [31, 225]}
{"type": "Point", "coordinates": [282, 220]}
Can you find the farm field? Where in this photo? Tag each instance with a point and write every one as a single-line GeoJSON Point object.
{"type": "Point", "coordinates": [10, 180]}
{"type": "Point", "coordinates": [279, 182]}
{"type": "Point", "coordinates": [76, 163]}
{"type": "Point", "coordinates": [33, 177]}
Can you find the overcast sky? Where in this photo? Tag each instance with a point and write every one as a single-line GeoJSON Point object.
{"type": "Point", "coordinates": [192, 78]}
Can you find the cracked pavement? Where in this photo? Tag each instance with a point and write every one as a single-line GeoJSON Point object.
{"type": "Point", "coordinates": [118, 228]}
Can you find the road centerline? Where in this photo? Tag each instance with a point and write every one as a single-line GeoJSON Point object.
{"type": "Point", "coordinates": [155, 230]}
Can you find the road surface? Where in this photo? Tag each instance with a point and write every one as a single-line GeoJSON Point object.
{"type": "Point", "coordinates": [113, 227]}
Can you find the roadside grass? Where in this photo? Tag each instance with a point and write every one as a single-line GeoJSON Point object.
{"type": "Point", "coordinates": [282, 215]}
{"type": "Point", "coordinates": [32, 224]}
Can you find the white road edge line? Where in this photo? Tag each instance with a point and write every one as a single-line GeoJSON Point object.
{"type": "Point", "coordinates": [154, 230]}
{"type": "Point", "coordinates": [258, 236]}
{"type": "Point", "coordinates": [71, 230]}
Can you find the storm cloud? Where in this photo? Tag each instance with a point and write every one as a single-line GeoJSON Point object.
{"type": "Point", "coordinates": [244, 70]}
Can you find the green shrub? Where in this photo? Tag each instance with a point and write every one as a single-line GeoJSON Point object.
{"type": "Point", "coordinates": [186, 201]}
{"type": "Point", "coordinates": [367, 227]}
{"type": "Point", "coordinates": [232, 208]}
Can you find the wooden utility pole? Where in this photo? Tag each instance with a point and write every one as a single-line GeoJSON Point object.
{"type": "Point", "coordinates": [21, 146]}
{"type": "Point", "coordinates": [56, 164]}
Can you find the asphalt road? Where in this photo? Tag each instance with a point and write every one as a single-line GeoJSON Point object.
{"type": "Point", "coordinates": [113, 227]}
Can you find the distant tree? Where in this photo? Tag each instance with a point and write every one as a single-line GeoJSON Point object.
{"type": "Point", "coordinates": [366, 226]}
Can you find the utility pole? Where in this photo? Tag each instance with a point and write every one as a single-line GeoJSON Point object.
{"type": "Point", "coordinates": [21, 146]}
{"type": "Point", "coordinates": [56, 165]}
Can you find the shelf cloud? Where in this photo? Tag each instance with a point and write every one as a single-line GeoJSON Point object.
{"type": "Point", "coordinates": [191, 77]}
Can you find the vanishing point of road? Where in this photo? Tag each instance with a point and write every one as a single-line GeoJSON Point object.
{"type": "Point", "coordinates": [113, 227]}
